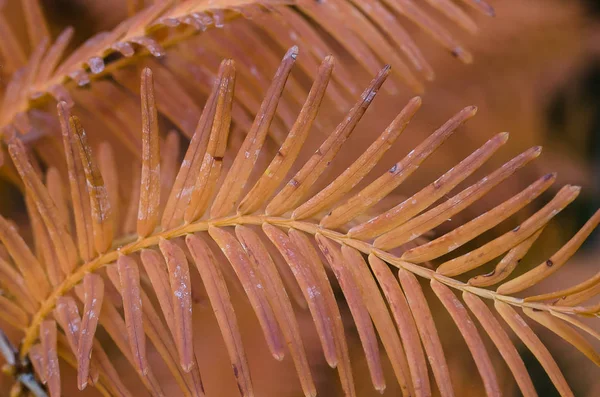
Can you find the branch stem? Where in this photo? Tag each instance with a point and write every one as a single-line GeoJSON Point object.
{"type": "Point", "coordinates": [129, 244]}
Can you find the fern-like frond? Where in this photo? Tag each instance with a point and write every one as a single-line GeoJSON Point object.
{"type": "Point", "coordinates": [370, 32]}
{"type": "Point", "coordinates": [250, 209]}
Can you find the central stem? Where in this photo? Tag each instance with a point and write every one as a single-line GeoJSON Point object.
{"type": "Point", "coordinates": [128, 246]}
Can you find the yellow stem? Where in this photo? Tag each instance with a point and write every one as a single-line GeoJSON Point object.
{"type": "Point", "coordinates": [129, 245]}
